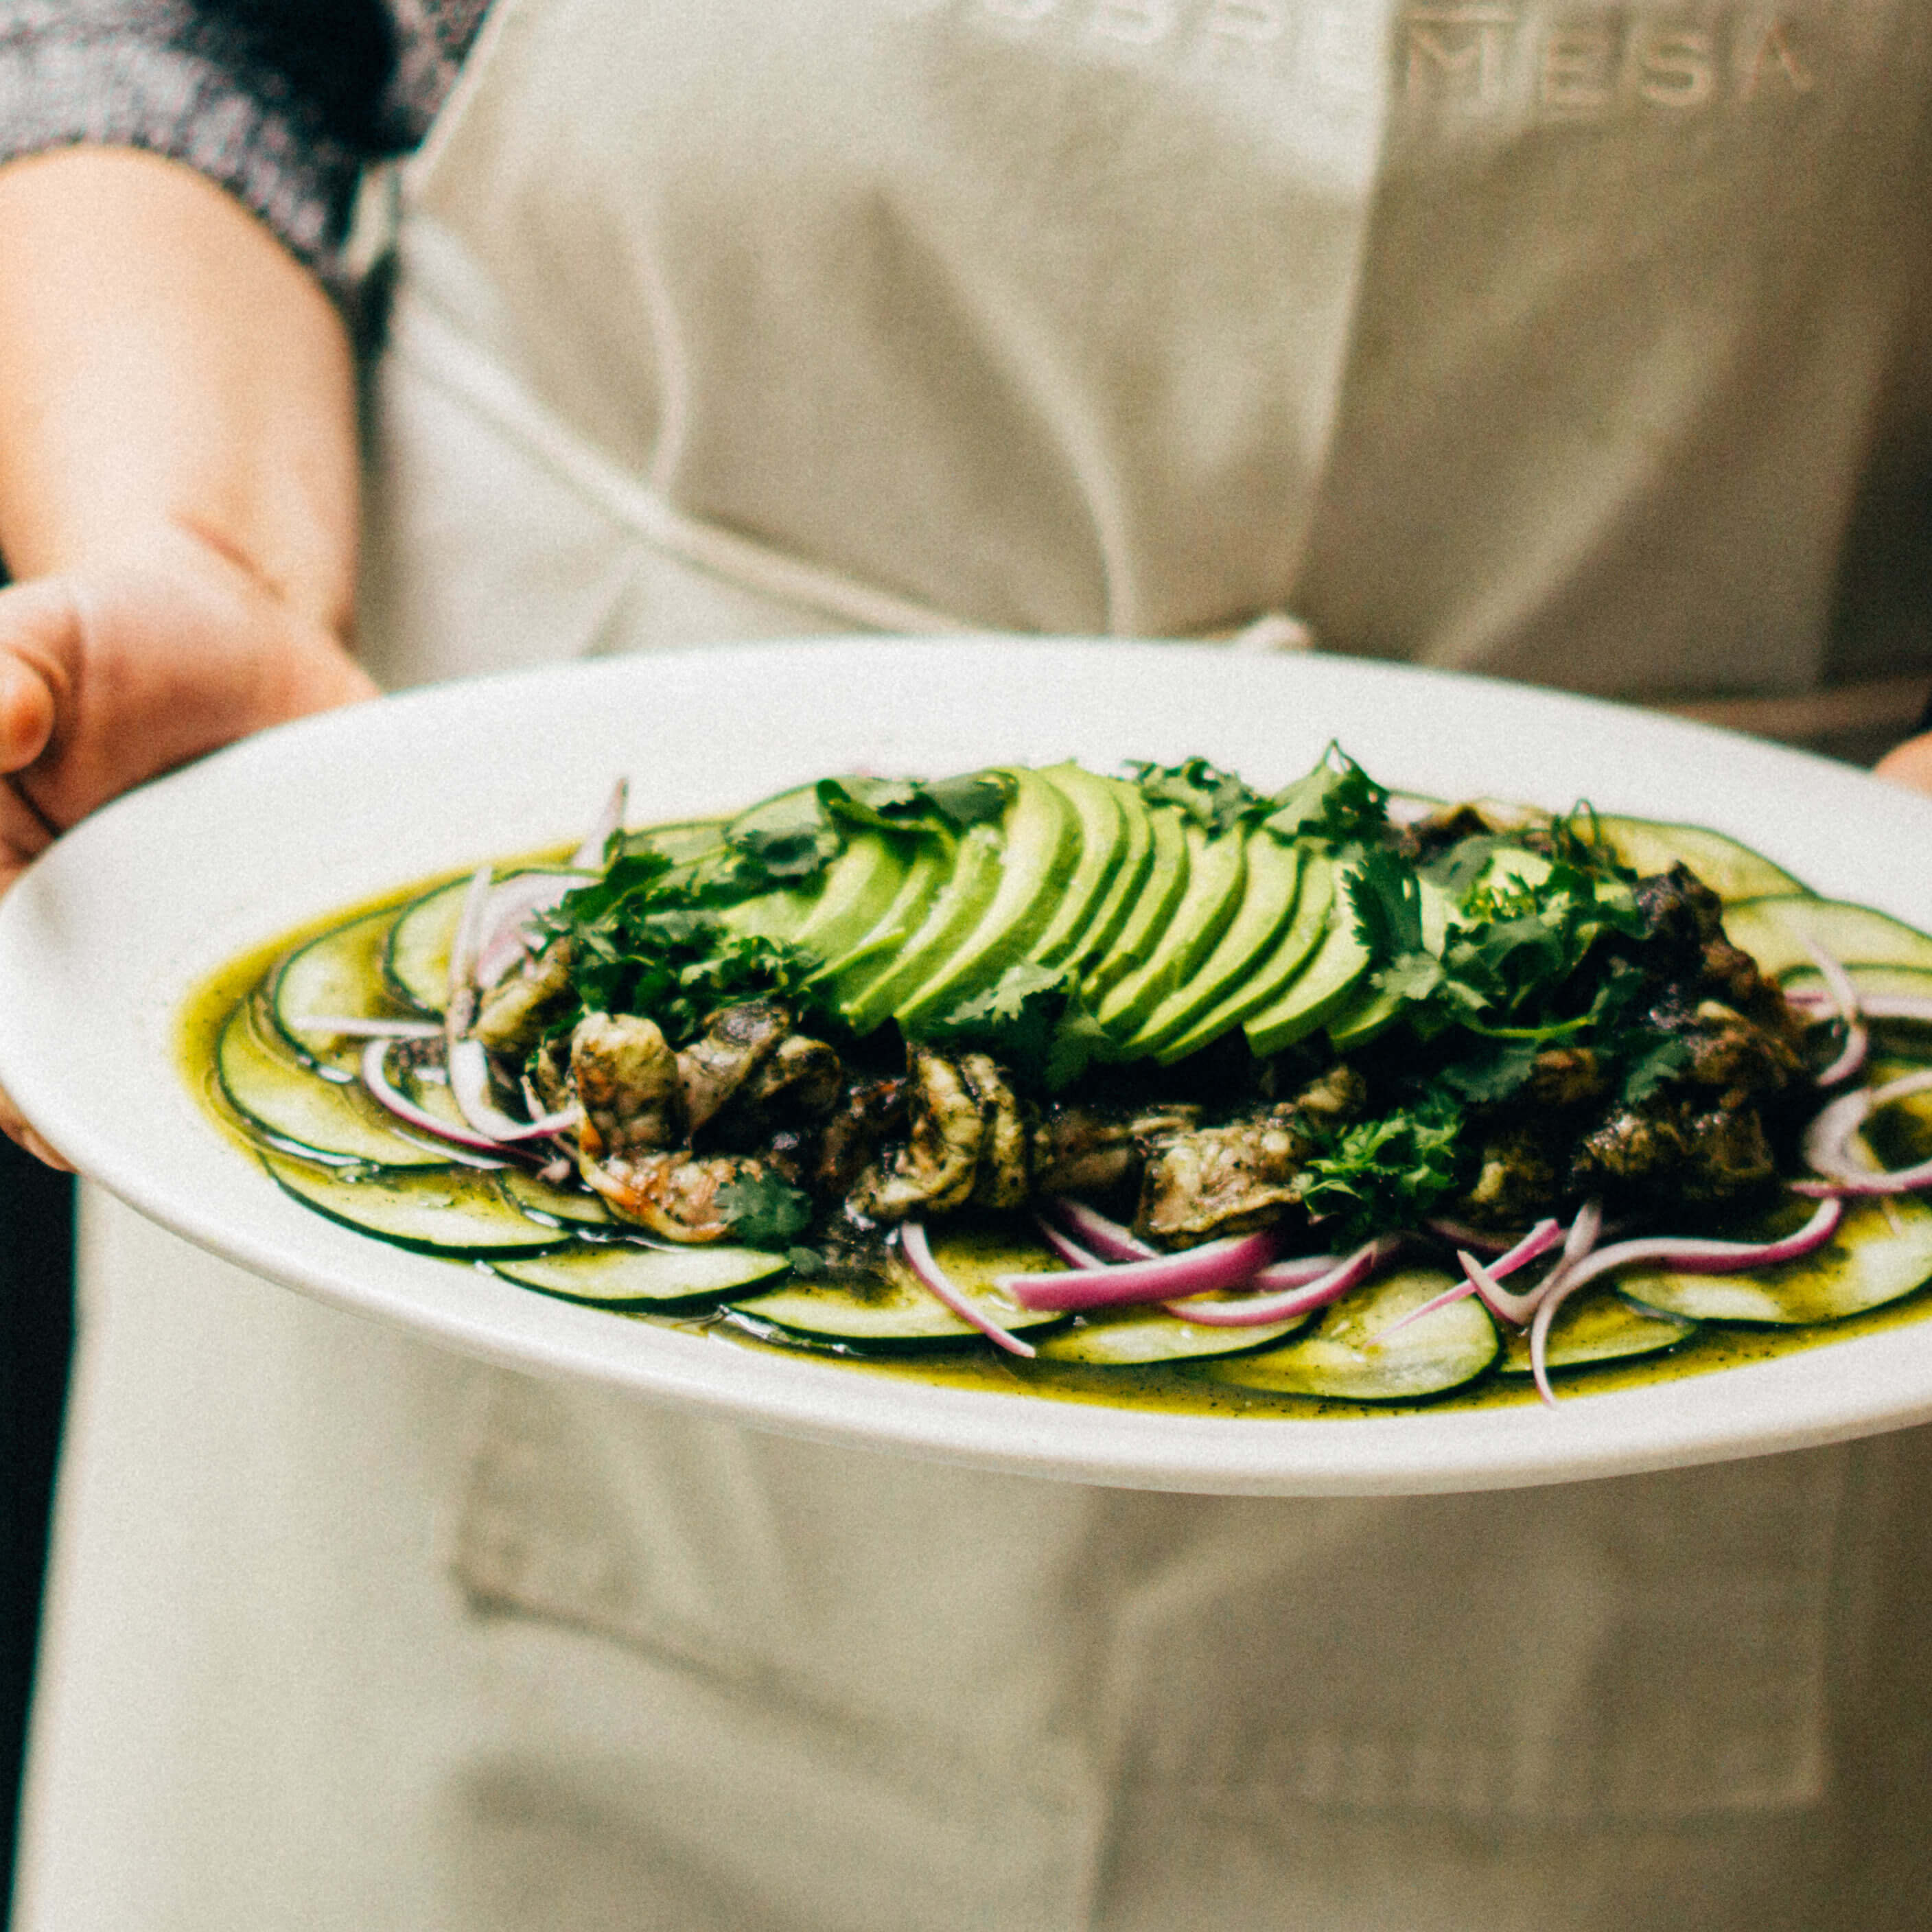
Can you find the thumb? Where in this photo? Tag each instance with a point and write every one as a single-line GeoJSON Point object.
{"type": "Point", "coordinates": [39, 640]}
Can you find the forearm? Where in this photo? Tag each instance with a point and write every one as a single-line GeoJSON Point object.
{"type": "Point", "coordinates": [167, 368]}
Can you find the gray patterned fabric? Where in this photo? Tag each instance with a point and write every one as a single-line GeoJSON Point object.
{"type": "Point", "coordinates": [281, 101]}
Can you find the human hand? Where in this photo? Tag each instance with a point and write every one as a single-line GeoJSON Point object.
{"type": "Point", "coordinates": [111, 675]}
{"type": "Point", "coordinates": [1909, 764]}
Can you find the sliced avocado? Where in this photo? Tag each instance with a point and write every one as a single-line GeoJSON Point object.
{"type": "Point", "coordinates": [847, 974]}
{"type": "Point", "coordinates": [1146, 915]}
{"type": "Point", "coordinates": [1217, 871]}
{"type": "Point", "coordinates": [1132, 862]}
{"type": "Point", "coordinates": [840, 907]}
{"type": "Point", "coordinates": [1318, 990]}
{"type": "Point", "coordinates": [1040, 834]}
{"type": "Point", "coordinates": [1314, 902]}
{"type": "Point", "coordinates": [1267, 905]}
{"type": "Point", "coordinates": [869, 994]}
{"type": "Point", "coordinates": [1096, 802]}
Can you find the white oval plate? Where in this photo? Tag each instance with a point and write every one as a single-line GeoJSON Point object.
{"type": "Point", "coordinates": [102, 942]}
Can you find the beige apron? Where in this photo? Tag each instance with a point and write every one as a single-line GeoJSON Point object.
{"type": "Point", "coordinates": [778, 316]}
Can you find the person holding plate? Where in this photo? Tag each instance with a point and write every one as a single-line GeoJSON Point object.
{"type": "Point", "coordinates": [1564, 345]}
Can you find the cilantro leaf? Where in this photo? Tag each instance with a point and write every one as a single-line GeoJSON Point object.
{"type": "Point", "coordinates": [945, 806]}
{"type": "Point", "coordinates": [1494, 1071]}
{"type": "Point", "coordinates": [763, 1211]}
{"type": "Point", "coordinates": [1387, 900]}
{"type": "Point", "coordinates": [1336, 800]}
{"type": "Point", "coordinates": [1032, 1020]}
{"type": "Point", "coordinates": [1215, 800]}
{"type": "Point", "coordinates": [1387, 1173]}
{"type": "Point", "coordinates": [1653, 1062]}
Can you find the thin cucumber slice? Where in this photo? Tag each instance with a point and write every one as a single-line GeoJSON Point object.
{"type": "Point", "coordinates": [338, 974]}
{"type": "Point", "coordinates": [1598, 1328]}
{"type": "Point", "coordinates": [446, 1213]}
{"type": "Point", "coordinates": [896, 1313]}
{"type": "Point", "coordinates": [1129, 1337]}
{"type": "Point", "coordinates": [681, 842]}
{"type": "Point", "coordinates": [1217, 871]}
{"type": "Point", "coordinates": [565, 1206]}
{"type": "Point", "coordinates": [616, 1275]}
{"type": "Point", "coordinates": [1343, 1359]}
{"type": "Point", "coordinates": [1314, 904]}
{"type": "Point", "coordinates": [1773, 931]}
{"type": "Point", "coordinates": [291, 1105]}
{"type": "Point", "coordinates": [1149, 913]}
{"type": "Point", "coordinates": [1274, 870]}
{"type": "Point", "coordinates": [1868, 1265]}
{"type": "Point", "coordinates": [417, 961]}
{"type": "Point", "coordinates": [1731, 870]}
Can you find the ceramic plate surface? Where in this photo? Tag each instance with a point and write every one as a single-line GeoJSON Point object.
{"type": "Point", "coordinates": [101, 943]}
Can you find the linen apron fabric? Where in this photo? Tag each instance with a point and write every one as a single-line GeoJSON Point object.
{"type": "Point", "coordinates": [768, 318]}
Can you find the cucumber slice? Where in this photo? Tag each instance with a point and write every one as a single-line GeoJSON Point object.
{"type": "Point", "coordinates": [618, 1275]}
{"type": "Point", "coordinates": [1129, 1337]}
{"type": "Point", "coordinates": [1095, 805]}
{"type": "Point", "coordinates": [1772, 932]}
{"type": "Point", "coordinates": [1732, 871]}
{"type": "Point", "coordinates": [1217, 871]}
{"type": "Point", "coordinates": [1133, 859]}
{"type": "Point", "coordinates": [1274, 870]}
{"type": "Point", "coordinates": [1040, 836]}
{"type": "Point", "coordinates": [445, 1213]}
{"type": "Point", "coordinates": [1314, 905]}
{"type": "Point", "coordinates": [896, 1313]}
{"type": "Point", "coordinates": [555, 1207]}
{"type": "Point", "coordinates": [1598, 1328]}
{"type": "Point", "coordinates": [682, 840]}
{"type": "Point", "coordinates": [1344, 1360]}
{"type": "Point", "coordinates": [1866, 1265]}
{"type": "Point", "coordinates": [339, 974]}
{"type": "Point", "coordinates": [417, 960]}
{"type": "Point", "coordinates": [290, 1104]}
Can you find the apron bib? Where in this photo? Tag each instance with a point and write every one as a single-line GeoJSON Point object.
{"type": "Point", "coordinates": [778, 316]}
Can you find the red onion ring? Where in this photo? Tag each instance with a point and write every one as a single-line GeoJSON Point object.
{"type": "Point", "coordinates": [1198, 1270]}
{"type": "Point", "coordinates": [460, 1008]}
{"type": "Point", "coordinates": [1065, 1247]}
{"type": "Point", "coordinates": [375, 1072]}
{"type": "Point", "coordinates": [468, 1067]}
{"type": "Point", "coordinates": [1845, 996]}
{"type": "Point", "coordinates": [1683, 1257]}
{"type": "Point", "coordinates": [1095, 1232]}
{"type": "Point", "coordinates": [1826, 1144]}
{"type": "Point", "coordinates": [1331, 1286]}
{"type": "Point", "coordinates": [918, 1252]}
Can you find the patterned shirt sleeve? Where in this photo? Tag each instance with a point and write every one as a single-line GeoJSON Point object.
{"type": "Point", "coordinates": [282, 102]}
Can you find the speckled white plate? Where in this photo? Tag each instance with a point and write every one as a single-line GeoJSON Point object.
{"type": "Point", "coordinates": [102, 943]}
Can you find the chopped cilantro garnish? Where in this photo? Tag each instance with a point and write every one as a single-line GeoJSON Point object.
{"type": "Point", "coordinates": [1387, 1173]}
{"type": "Point", "coordinates": [1217, 801]}
{"type": "Point", "coordinates": [1336, 800]}
{"type": "Point", "coordinates": [1032, 1020]}
{"type": "Point", "coordinates": [762, 1211]}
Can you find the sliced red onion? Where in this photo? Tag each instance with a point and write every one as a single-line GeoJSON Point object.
{"type": "Point", "coordinates": [1487, 1281]}
{"type": "Point", "coordinates": [506, 921]}
{"type": "Point", "coordinates": [376, 1078]}
{"type": "Point", "coordinates": [1324, 1288]}
{"type": "Point", "coordinates": [350, 1028]}
{"type": "Point", "coordinates": [918, 1253]}
{"type": "Point", "coordinates": [1460, 1235]}
{"type": "Point", "coordinates": [1095, 1232]}
{"type": "Point", "coordinates": [1845, 996]}
{"type": "Point", "coordinates": [1225, 1264]}
{"type": "Point", "coordinates": [590, 853]}
{"type": "Point", "coordinates": [470, 1084]}
{"type": "Point", "coordinates": [1065, 1247]}
{"type": "Point", "coordinates": [1827, 1144]}
{"type": "Point", "coordinates": [1683, 1256]}
{"type": "Point", "coordinates": [460, 1006]}
{"type": "Point", "coordinates": [1817, 1004]}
